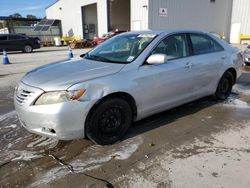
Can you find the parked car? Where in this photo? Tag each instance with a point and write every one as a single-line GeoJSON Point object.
{"type": "Point", "coordinates": [106, 36]}
{"type": "Point", "coordinates": [246, 56]}
{"type": "Point", "coordinates": [18, 42]}
{"type": "Point", "coordinates": [127, 78]}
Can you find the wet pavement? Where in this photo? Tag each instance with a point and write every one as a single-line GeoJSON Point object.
{"type": "Point", "coordinates": [200, 144]}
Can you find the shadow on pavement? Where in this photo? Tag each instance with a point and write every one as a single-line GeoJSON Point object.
{"type": "Point", "coordinates": [245, 77]}
{"type": "Point", "coordinates": [169, 116]}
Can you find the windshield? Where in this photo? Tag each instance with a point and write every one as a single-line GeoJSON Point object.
{"type": "Point", "coordinates": [121, 49]}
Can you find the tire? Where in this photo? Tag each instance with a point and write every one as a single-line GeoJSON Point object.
{"type": "Point", "coordinates": [27, 49]}
{"type": "Point", "coordinates": [225, 86]}
{"type": "Point", "coordinates": [109, 121]}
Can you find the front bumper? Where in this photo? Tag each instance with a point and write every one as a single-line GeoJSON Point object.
{"type": "Point", "coordinates": [36, 46]}
{"type": "Point", "coordinates": [64, 121]}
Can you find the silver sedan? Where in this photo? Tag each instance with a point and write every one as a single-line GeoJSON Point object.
{"type": "Point", "coordinates": [127, 78]}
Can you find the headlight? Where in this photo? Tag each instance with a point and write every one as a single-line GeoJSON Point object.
{"type": "Point", "coordinates": [59, 97]}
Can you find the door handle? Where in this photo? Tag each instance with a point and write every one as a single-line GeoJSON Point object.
{"type": "Point", "coordinates": [188, 65]}
{"type": "Point", "coordinates": [223, 57]}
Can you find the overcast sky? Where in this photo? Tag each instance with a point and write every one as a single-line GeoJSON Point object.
{"type": "Point", "coordinates": [24, 7]}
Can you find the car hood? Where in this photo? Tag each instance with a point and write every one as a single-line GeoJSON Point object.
{"type": "Point", "coordinates": [62, 75]}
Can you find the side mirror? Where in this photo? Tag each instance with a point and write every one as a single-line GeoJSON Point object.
{"type": "Point", "coordinates": [157, 59]}
{"type": "Point", "coordinates": [82, 55]}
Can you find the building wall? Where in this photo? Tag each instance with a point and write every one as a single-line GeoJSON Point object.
{"type": "Point", "coordinates": [194, 14]}
{"type": "Point", "coordinates": [139, 14]}
{"type": "Point", "coordinates": [70, 14]}
{"type": "Point", "coordinates": [89, 16]}
{"type": "Point", "coordinates": [241, 14]}
{"type": "Point", "coordinates": [230, 17]}
{"type": "Point", "coordinates": [120, 14]}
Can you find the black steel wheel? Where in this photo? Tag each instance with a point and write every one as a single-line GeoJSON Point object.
{"type": "Point", "coordinates": [109, 121]}
{"type": "Point", "coordinates": [225, 86]}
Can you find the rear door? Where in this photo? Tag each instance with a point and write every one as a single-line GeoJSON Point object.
{"type": "Point", "coordinates": [208, 59]}
{"type": "Point", "coordinates": [17, 42]}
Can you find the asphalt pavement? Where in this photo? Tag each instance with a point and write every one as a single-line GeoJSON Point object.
{"type": "Point", "coordinates": [201, 144]}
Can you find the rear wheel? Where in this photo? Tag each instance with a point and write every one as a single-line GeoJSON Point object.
{"type": "Point", "coordinates": [225, 86]}
{"type": "Point", "coordinates": [109, 121]}
{"type": "Point", "coordinates": [28, 49]}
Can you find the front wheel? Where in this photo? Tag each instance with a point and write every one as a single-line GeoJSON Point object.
{"type": "Point", "coordinates": [225, 86]}
{"type": "Point", "coordinates": [109, 121]}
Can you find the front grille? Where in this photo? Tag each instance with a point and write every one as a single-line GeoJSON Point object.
{"type": "Point", "coordinates": [22, 95]}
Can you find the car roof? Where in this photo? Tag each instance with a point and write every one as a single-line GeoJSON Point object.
{"type": "Point", "coordinates": [168, 31]}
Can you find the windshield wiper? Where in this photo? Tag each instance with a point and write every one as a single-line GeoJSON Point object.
{"type": "Point", "coordinates": [103, 59]}
{"type": "Point", "coordinates": [98, 58]}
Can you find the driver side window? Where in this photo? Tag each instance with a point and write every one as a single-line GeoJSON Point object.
{"type": "Point", "coordinates": [174, 46]}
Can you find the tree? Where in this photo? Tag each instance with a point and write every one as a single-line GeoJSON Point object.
{"type": "Point", "coordinates": [12, 23]}
{"type": "Point", "coordinates": [29, 16]}
{"type": "Point", "coordinates": [16, 15]}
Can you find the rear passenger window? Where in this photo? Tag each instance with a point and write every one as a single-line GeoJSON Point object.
{"type": "Point", "coordinates": [14, 37]}
{"type": "Point", "coordinates": [2, 38]}
{"type": "Point", "coordinates": [204, 44]}
{"type": "Point", "coordinates": [174, 47]}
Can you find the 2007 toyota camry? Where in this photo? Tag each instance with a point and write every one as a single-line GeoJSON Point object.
{"type": "Point", "coordinates": [127, 78]}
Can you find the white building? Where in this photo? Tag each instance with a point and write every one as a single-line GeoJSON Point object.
{"type": "Point", "coordinates": [89, 18]}
{"type": "Point", "coordinates": [240, 22]}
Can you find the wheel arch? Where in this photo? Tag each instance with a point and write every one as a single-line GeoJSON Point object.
{"type": "Point", "coordinates": [234, 73]}
{"type": "Point", "coordinates": [124, 95]}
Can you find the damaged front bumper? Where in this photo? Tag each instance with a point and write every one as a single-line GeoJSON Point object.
{"type": "Point", "coordinates": [63, 121]}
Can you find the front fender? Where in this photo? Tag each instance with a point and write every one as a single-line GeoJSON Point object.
{"type": "Point", "coordinates": [94, 91]}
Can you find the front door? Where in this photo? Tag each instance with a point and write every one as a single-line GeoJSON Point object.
{"type": "Point", "coordinates": [16, 42]}
{"type": "Point", "coordinates": [169, 84]}
{"type": "Point", "coordinates": [4, 42]}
